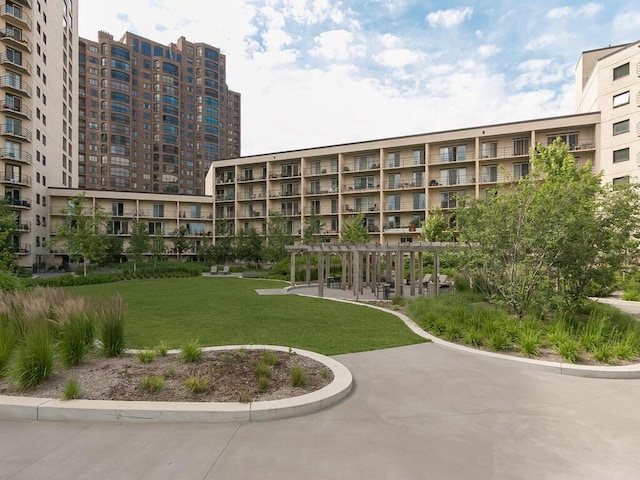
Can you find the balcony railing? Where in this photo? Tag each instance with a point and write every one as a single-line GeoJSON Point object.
{"type": "Point", "coordinates": [311, 172]}
{"type": "Point", "coordinates": [17, 179]}
{"type": "Point", "coordinates": [16, 62]}
{"type": "Point", "coordinates": [15, 39]}
{"type": "Point", "coordinates": [11, 83]}
{"type": "Point", "coordinates": [252, 196]}
{"type": "Point", "coordinates": [20, 109]}
{"type": "Point", "coordinates": [14, 156]}
{"type": "Point", "coordinates": [23, 249]}
{"type": "Point", "coordinates": [404, 184]}
{"type": "Point", "coordinates": [17, 15]}
{"type": "Point", "coordinates": [18, 203]}
{"type": "Point", "coordinates": [228, 197]}
{"type": "Point", "coordinates": [10, 130]}
{"type": "Point", "coordinates": [447, 182]}
{"type": "Point", "coordinates": [353, 208]}
{"type": "Point", "coordinates": [439, 159]}
{"type": "Point", "coordinates": [23, 227]}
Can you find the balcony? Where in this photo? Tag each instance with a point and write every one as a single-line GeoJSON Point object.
{"type": "Point", "coordinates": [10, 130]}
{"type": "Point", "coordinates": [404, 185]}
{"type": "Point", "coordinates": [24, 180]}
{"type": "Point", "coordinates": [16, 15]}
{"type": "Point", "coordinates": [448, 181]}
{"type": "Point", "coordinates": [26, 3]}
{"type": "Point", "coordinates": [15, 109]}
{"type": "Point", "coordinates": [14, 39]}
{"type": "Point", "coordinates": [22, 227]}
{"type": "Point", "coordinates": [314, 172]}
{"type": "Point", "coordinates": [252, 178]}
{"type": "Point", "coordinates": [18, 203]}
{"type": "Point", "coordinates": [360, 208]}
{"type": "Point", "coordinates": [446, 159]}
{"type": "Point", "coordinates": [15, 156]}
{"type": "Point", "coordinates": [18, 63]}
{"type": "Point", "coordinates": [228, 197]}
{"type": "Point", "coordinates": [359, 188]}
{"type": "Point", "coordinates": [12, 84]}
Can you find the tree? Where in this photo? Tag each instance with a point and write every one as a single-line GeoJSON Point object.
{"type": "Point", "coordinates": [278, 236]}
{"type": "Point", "coordinates": [7, 228]}
{"type": "Point", "coordinates": [80, 231]}
{"type": "Point", "coordinates": [540, 241]}
{"type": "Point", "coordinates": [249, 245]}
{"type": "Point", "coordinates": [158, 250]}
{"type": "Point", "coordinates": [206, 253]}
{"type": "Point", "coordinates": [113, 249]}
{"type": "Point", "coordinates": [313, 229]}
{"type": "Point", "coordinates": [139, 243]}
{"type": "Point", "coordinates": [180, 243]}
{"type": "Point", "coordinates": [435, 228]}
{"type": "Point", "coordinates": [223, 248]}
{"type": "Point", "coordinates": [354, 230]}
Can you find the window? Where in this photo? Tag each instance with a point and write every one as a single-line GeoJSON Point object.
{"type": "Point", "coordinates": [621, 180]}
{"type": "Point", "coordinates": [314, 187]}
{"type": "Point", "coordinates": [453, 176]}
{"type": "Point", "coordinates": [621, 155]}
{"type": "Point", "coordinates": [418, 157]}
{"type": "Point", "coordinates": [419, 201]}
{"type": "Point", "coordinates": [158, 210]}
{"type": "Point", "coordinates": [621, 127]}
{"type": "Point", "coordinates": [450, 199]}
{"type": "Point", "coordinates": [393, 160]}
{"type": "Point", "coordinates": [489, 173]}
{"type": "Point", "coordinates": [570, 139]}
{"type": "Point", "coordinates": [394, 180]}
{"type": "Point", "coordinates": [393, 202]}
{"type": "Point", "coordinates": [117, 209]}
{"type": "Point", "coordinates": [621, 99]}
{"type": "Point", "coordinates": [315, 207]}
{"type": "Point", "coordinates": [621, 71]}
{"type": "Point", "coordinates": [520, 170]}
{"type": "Point", "coordinates": [453, 154]}
{"type": "Point", "coordinates": [490, 150]}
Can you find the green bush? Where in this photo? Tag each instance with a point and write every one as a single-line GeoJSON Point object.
{"type": "Point", "coordinates": [603, 352]}
{"type": "Point", "coordinates": [33, 359]}
{"type": "Point", "coordinates": [569, 349]}
{"type": "Point", "coordinates": [262, 370]}
{"type": "Point", "coordinates": [270, 358]}
{"type": "Point", "coordinates": [152, 383]}
{"type": "Point", "coordinates": [197, 384]}
{"type": "Point", "coordinates": [191, 352]}
{"type": "Point", "coordinates": [298, 376]}
{"type": "Point", "coordinates": [592, 333]}
{"type": "Point", "coordinates": [499, 341]}
{"type": "Point", "coordinates": [10, 282]}
{"type": "Point", "coordinates": [71, 389]}
{"type": "Point", "coordinates": [146, 356]}
{"type": "Point", "coordinates": [162, 348]}
{"type": "Point", "coordinates": [529, 339]}
{"type": "Point", "coordinates": [111, 315]}
{"type": "Point", "coordinates": [75, 339]}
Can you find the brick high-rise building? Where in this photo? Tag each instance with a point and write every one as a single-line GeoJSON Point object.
{"type": "Point", "coordinates": [153, 118]}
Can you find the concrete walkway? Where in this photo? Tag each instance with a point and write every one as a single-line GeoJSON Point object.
{"type": "Point", "coordinates": [418, 412]}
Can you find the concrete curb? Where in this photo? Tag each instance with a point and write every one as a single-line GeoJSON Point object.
{"type": "Point", "coordinates": [28, 408]}
{"type": "Point", "coordinates": [589, 371]}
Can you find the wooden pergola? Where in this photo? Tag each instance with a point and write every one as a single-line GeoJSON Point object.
{"type": "Point", "coordinates": [371, 265]}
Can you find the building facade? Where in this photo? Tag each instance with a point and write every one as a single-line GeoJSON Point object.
{"type": "Point", "coordinates": [38, 111]}
{"type": "Point", "coordinates": [395, 182]}
{"type": "Point", "coordinates": [153, 118]}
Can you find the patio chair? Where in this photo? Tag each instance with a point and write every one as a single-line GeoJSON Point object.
{"type": "Point", "coordinates": [444, 281]}
{"type": "Point", "coordinates": [214, 270]}
{"type": "Point", "coordinates": [426, 280]}
{"type": "Point", "coordinates": [225, 270]}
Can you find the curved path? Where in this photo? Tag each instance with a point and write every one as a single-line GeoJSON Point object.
{"type": "Point", "coordinates": [418, 412]}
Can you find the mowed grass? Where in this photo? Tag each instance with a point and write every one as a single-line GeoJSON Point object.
{"type": "Point", "coordinates": [228, 311]}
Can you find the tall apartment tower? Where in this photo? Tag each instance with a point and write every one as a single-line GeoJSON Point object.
{"type": "Point", "coordinates": [153, 118]}
{"type": "Point", "coordinates": [38, 111]}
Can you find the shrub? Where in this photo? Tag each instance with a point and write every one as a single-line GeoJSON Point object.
{"type": "Point", "coordinates": [603, 352]}
{"type": "Point", "coordinates": [592, 334]}
{"type": "Point", "coordinates": [33, 360]}
{"type": "Point", "coordinates": [529, 339]}
{"type": "Point", "coordinates": [75, 340]}
{"type": "Point", "coordinates": [162, 349]}
{"type": "Point", "coordinates": [298, 376]}
{"type": "Point", "coordinates": [263, 383]}
{"type": "Point", "coordinates": [270, 358]}
{"type": "Point", "coordinates": [152, 383]}
{"type": "Point", "coordinates": [453, 331]}
{"type": "Point", "coordinates": [626, 346]}
{"type": "Point", "coordinates": [262, 370]}
{"type": "Point", "coordinates": [111, 316]}
{"type": "Point", "coordinates": [325, 373]}
{"type": "Point", "coordinates": [71, 389]}
{"type": "Point", "coordinates": [146, 356]}
{"type": "Point", "coordinates": [191, 352]}
{"type": "Point", "coordinates": [398, 300]}
{"type": "Point", "coordinates": [197, 384]}
{"type": "Point", "coordinates": [569, 350]}
{"type": "Point", "coordinates": [498, 341]}
{"type": "Point", "coordinates": [171, 371]}
{"type": "Point", "coordinates": [474, 337]}
{"type": "Point", "coordinates": [558, 333]}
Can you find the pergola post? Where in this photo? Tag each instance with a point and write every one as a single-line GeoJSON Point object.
{"type": "Point", "coordinates": [320, 274]}
{"type": "Point", "coordinates": [343, 281]}
{"type": "Point", "coordinates": [327, 265]}
{"type": "Point", "coordinates": [308, 268]}
{"type": "Point", "coordinates": [420, 272]}
{"type": "Point", "coordinates": [388, 269]}
{"type": "Point", "coordinates": [356, 273]}
{"type": "Point", "coordinates": [367, 269]}
{"type": "Point", "coordinates": [436, 272]}
{"type": "Point", "coordinates": [399, 273]}
{"type": "Point", "coordinates": [412, 273]}
{"type": "Point", "coordinates": [293, 269]}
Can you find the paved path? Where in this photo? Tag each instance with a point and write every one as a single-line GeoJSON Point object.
{"type": "Point", "coordinates": [417, 412]}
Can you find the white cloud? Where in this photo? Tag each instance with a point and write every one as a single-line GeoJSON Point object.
{"type": "Point", "coordinates": [488, 50]}
{"type": "Point", "coordinates": [541, 42]}
{"type": "Point", "coordinates": [587, 10]}
{"type": "Point", "coordinates": [388, 40]}
{"type": "Point", "coordinates": [334, 45]}
{"type": "Point", "coordinates": [449, 18]}
{"type": "Point", "coordinates": [540, 72]}
{"type": "Point", "coordinates": [397, 57]}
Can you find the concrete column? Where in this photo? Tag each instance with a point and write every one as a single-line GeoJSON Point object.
{"type": "Point", "coordinates": [320, 274]}
{"type": "Point", "coordinates": [293, 269]}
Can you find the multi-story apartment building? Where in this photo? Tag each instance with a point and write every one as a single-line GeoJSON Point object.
{"type": "Point", "coordinates": [153, 118]}
{"type": "Point", "coordinates": [397, 182]}
{"type": "Point", "coordinates": [38, 112]}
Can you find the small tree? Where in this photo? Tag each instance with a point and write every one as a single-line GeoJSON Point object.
{"type": "Point", "coordinates": [249, 245]}
{"type": "Point", "coordinates": [180, 243]}
{"type": "Point", "coordinates": [139, 243]}
{"type": "Point", "coordinates": [114, 247]}
{"type": "Point", "coordinates": [354, 230]}
{"type": "Point", "coordinates": [80, 231]}
{"type": "Point", "coordinates": [7, 227]}
{"type": "Point", "coordinates": [278, 237]}
{"type": "Point", "coordinates": [158, 250]}
{"type": "Point", "coordinates": [435, 228]}
{"type": "Point", "coordinates": [313, 229]}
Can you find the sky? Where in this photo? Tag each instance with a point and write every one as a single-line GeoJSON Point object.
{"type": "Point", "coordinates": [323, 72]}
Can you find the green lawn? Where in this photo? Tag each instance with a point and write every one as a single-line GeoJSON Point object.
{"type": "Point", "coordinates": [228, 311]}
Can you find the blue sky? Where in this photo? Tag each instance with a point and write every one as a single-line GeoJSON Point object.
{"type": "Point", "coordinates": [322, 72]}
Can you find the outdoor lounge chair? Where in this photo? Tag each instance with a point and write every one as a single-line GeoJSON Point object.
{"type": "Point", "coordinates": [214, 270]}
{"type": "Point", "coordinates": [225, 270]}
{"type": "Point", "coordinates": [426, 279]}
{"type": "Point", "coordinates": [444, 281]}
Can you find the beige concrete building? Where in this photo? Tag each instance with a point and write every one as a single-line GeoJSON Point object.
{"type": "Point", "coordinates": [38, 111]}
{"type": "Point", "coordinates": [397, 182]}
